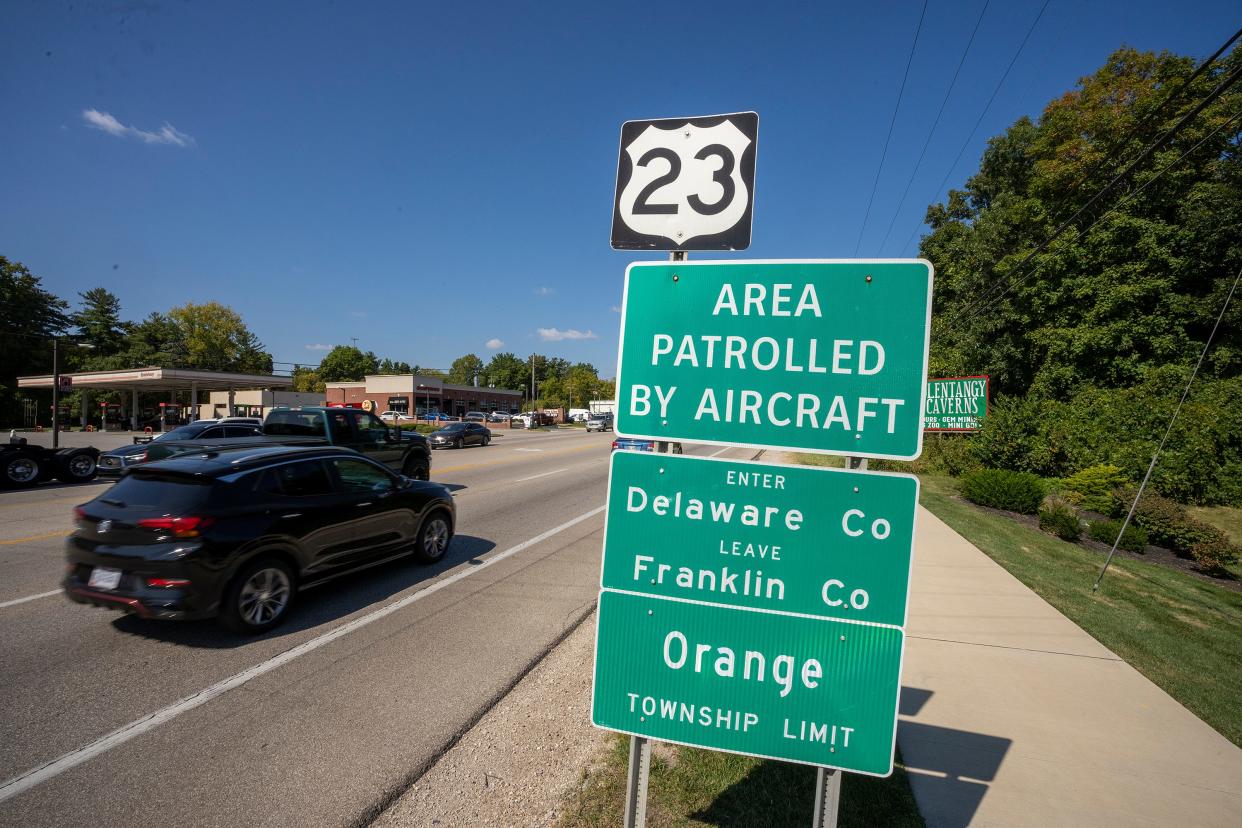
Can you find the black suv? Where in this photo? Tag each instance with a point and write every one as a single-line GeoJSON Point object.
{"type": "Point", "coordinates": [235, 533]}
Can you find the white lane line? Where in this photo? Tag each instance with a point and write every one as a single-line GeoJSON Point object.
{"type": "Point", "coordinates": [720, 452]}
{"type": "Point", "coordinates": [68, 761]}
{"type": "Point", "coordinates": [537, 476]}
{"type": "Point", "coordinates": [17, 601]}
{"type": "Point", "coordinates": [526, 449]}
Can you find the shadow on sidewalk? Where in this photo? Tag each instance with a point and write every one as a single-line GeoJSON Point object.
{"type": "Point", "coordinates": [949, 770]}
{"type": "Point", "coordinates": [946, 791]}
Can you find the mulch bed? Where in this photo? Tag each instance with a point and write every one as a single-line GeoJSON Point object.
{"type": "Point", "coordinates": [1153, 554]}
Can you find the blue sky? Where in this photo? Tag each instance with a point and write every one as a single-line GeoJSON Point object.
{"type": "Point", "coordinates": [432, 177]}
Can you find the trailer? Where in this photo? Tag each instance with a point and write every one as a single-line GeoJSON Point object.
{"type": "Point", "coordinates": [23, 465]}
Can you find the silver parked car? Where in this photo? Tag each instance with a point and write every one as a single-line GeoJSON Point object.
{"type": "Point", "coordinates": [599, 422]}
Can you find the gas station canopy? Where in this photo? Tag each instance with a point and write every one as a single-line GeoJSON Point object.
{"type": "Point", "coordinates": [160, 379]}
{"type": "Point", "coordinates": [168, 380]}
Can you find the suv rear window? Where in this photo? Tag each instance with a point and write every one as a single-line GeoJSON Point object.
{"type": "Point", "coordinates": [146, 491]}
{"type": "Point", "coordinates": [294, 424]}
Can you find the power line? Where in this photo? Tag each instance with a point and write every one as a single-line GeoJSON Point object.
{"type": "Point", "coordinates": [1156, 456]}
{"type": "Point", "coordinates": [986, 107]}
{"type": "Point", "coordinates": [1111, 155]}
{"type": "Point", "coordinates": [1114, 150]}
{"type": "Point", "coordinates": [1032, 271]}
{"type": "Point", "coordinates": [884, 154]}
{"type": "Point", "coordinates": [918, 164]}
{"type": "Point", "coordinates": [1211, 96]}
{"type": "Point", "coordinates": [1151, 117]}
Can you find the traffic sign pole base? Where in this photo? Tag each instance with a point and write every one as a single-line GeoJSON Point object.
{"type": "Point", "coordinates": [827, 798]}
{"type": "Point", "coordinates": [636, 782]}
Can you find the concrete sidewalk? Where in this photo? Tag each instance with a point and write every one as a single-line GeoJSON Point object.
{"type": "Point", "coordinates": [1012, 715]}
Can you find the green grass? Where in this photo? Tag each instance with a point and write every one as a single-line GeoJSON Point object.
{"type": "Point", "coordinates": [692, 787]}
{"type": "Point", "coordinates": [1181, 632]}
{"type": "Point", "coordinates": [829, 460]}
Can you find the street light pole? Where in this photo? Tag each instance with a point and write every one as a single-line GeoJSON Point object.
{"type": "Point", "coordinates": [56, 387]}
{"type": "Point", "coordinates": [55, 392]}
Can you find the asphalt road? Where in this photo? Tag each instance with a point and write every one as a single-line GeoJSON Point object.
{"type": "Point", "coordinates": [108, 719]}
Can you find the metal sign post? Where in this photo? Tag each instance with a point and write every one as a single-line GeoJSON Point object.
{"type": "Point", "coordinates": [827, 798]}
{"type": "Point", "coordinates": [636, 782]}
{"type": "Point", "coordinates": [640, 746]}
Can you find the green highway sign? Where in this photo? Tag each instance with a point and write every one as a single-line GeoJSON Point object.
{"type": "Point", "coordinates": [788, 687]}
{"type": "Point", "coordinates": [815, 541]}
{"type": "Point", "coordinates": [805, 355]}
{"type": "Point", "coordinates": [956, 404]}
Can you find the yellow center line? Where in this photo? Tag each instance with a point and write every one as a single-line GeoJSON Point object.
{"type": "Point", "coordinates": [58, 534]}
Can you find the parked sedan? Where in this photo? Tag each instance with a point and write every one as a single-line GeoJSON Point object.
{"type": "Point", "coordinates": [458, 435]}
{"type": "Point", "coordinates": [599, 422]}
{"type": "Point", "coordinates": [397, 417]}
{"type": "Point", "coordinates": [238, 533]}
{"type": "Point", "coordinates": [206, 430]}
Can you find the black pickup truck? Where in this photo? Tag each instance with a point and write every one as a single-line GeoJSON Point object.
{"type": "Point", "coordinates": [402, 451]}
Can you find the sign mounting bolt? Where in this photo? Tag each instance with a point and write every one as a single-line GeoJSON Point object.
{"type": "Point", "coordinates": [855, 490]}
{"type": "Point", "coordinates": [868, 277]}
{"type": "Point", "coordinates": [676, 277]}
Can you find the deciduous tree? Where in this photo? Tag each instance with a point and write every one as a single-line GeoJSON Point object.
{"type": "Point", "coordinates": [346, 363]}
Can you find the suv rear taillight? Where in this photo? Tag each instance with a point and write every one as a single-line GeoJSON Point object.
{"type": "Point", "coordinates": [178, 527]}
{"type": "Point", "coordinates": [168, 583]}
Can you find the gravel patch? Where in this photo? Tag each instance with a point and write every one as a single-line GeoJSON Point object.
{"type": "Point", "coordinates": [523, 758]}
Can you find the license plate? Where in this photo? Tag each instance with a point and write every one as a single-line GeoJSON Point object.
{"type": "Point", "coordinates": [104, 578]}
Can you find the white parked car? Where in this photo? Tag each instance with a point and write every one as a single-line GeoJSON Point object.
{"type": "Point", "coordinates": [396, 417]}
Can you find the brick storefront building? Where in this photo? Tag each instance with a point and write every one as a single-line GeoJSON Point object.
{"type": "Point", "coordinates": [414, 394]}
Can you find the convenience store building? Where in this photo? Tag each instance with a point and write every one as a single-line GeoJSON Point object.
{"type": "Point", "coordinates": [416, 395]}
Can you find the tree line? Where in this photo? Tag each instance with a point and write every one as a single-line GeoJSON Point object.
{"type": "Point", "coordinates": [558, 383]}
{"type": "Point", "coordinates": [213, 337]}
{"type": "Point", "coordinates": [207, 336]}
{"type": "Point", "coordinates": [1090, 339]}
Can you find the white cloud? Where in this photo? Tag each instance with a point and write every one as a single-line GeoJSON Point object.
{"type": "Point", "coordinates": [556, 334]}
{"type": "Point", "coordinates": [494, 343]}
{"type": "Point", "coordinates": [167, 134]}
{"type": "Point", "coordinates": [544, 291]}
{"type": "Point", "coordinates": [319, 346]}
{"type": "Point", "coordinates": [616, 308]}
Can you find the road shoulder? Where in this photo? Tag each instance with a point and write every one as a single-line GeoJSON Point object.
{"type": "Point", "coordinates": [521, 760]}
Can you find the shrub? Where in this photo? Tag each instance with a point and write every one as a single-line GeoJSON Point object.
{"type": "Point", "coordinates": [1059, 517]}
{"type": "Point", "coordinates": [1168, 524]}
{"type": "Point", "coordinates": [1094, 486]}
{"type": "Point", "coordinates": [1013, 491]}
{"type": "Point", "coordinates": [1202, 462]}
{"type": "Point", "coordinates": [1213, 553]}
{"type": "Point", "coordinates": [1134, 539]}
